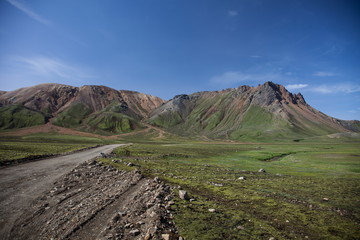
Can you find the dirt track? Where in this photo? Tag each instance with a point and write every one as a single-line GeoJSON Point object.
{"type": "Point", "coordinates": [20, 185]}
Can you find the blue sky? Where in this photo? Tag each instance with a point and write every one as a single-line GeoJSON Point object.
{"type": "Point", "coordinates": [168, 47]}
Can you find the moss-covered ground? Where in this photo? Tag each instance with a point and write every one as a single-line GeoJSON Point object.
{"type": "Point", "coordinates": [309, 190]}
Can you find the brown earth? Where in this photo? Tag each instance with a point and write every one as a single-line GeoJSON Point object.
{"type": "Point", "coordinates": [99, 202]}
{"type": "Point", "coordinates": [21, 184]}
{"type": "Point", "coordinates": [54, 98]}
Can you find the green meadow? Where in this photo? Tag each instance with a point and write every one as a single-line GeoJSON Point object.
{"type": "Point", "coordinates": [35, 146]}
{"type": "Point", "coordinates": [309, 190]}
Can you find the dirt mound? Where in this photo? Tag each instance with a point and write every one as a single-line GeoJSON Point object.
{"type": "Point", "coordinates": [99, 202]}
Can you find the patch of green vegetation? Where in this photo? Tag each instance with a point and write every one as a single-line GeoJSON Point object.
{"type": "Point", "coordinates": [167, 120]}
{"type": "Point", "coordinates": [258, 124]}
{"type": "Point", "coordinates": [18, 151]}
{"type": "Point", "coordinates": [310, 191]}
{"type": "Point", "coordinates": [73, 116]}
{"type": "Point", "coordinates": [17, 116]}
{"type": "Point", "coordinates": [34, 146]}
{"type": "Point", "coordinates": [112, 122]}
{"type": "Point", "coordinates": [63, 138]}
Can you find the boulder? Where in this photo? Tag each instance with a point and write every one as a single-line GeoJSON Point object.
{"type": "Point", "coordinates": [261, 170]}
{"type": "Point", "coordinates": [183, 195]}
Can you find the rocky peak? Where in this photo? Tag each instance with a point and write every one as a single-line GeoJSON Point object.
{"type": "Point", "coordinates": [270, 93]}
{"type": "Point", "coordinates": [299, 98]}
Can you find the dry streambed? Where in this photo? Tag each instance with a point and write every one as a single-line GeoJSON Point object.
{"type": "Point", "coordinates": [100, 202]}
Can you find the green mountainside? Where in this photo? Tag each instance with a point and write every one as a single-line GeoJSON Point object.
{"type": "Point", "coordinates": [262, 113]}
{"type": "Point", "coordinates": [266, 112]}
{"type": "Point", "coordinates": [18, 116]}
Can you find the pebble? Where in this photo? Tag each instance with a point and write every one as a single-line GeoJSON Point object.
{"type": "Point", "coordinates": [165, 236]}
{"type": "Point", "coordinates": [134, 232]}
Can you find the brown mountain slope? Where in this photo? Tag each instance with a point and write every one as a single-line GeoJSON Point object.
{"type": "Point", "coordinates": [87, 108]}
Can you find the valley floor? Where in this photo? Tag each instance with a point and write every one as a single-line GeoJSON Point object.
{"type": "Point", "coordinates": [306, 190]}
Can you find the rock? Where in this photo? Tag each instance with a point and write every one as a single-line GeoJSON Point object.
{"type": "Point", "coordinates": [165, 236]}
{"type": "Point", "coordinates": [192, 200]}
{"type": "Point", "coordinates": [128, 225]}
{"type": "Point", "coordinates": [181, 238]}
{"type": "Point", "coordinates": [242, 178]}
{"type": "Point", "coordinates": [134, 232]}
{"type": "Point", "coordinates": [183, 195]}
{"type": "Point", "coordinates": [93, 162]}
{"type": "Point", "coordinates": [262, 170]}
{"type": "Point", "coordinates": [325, 199]}
{"type": "Point", "coordinates": [172, 202]}
{"type": "Point", "coordinates": [240, 227]}
{"type": "Point", "coordinates": [212, 210]}
{"type": "Point", "coordinates": [147, 236]}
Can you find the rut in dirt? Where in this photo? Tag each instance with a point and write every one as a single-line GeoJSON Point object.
{"type": "Point", "coordinates": [99, 202]}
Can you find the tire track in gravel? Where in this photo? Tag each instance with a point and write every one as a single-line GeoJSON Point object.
{"type": "Point", "coordinates": [21, 184]}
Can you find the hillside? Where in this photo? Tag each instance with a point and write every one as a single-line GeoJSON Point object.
{"type": "Point", "coordinates": [264, 112]}
{"type": "Point", "coordinates": [90, 108]}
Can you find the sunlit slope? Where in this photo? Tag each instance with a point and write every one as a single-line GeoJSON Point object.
{"type": "Point", "coordinates": [268, 111]}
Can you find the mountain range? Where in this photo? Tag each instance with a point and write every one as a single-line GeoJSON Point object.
{"type": "Point", "coordinates": [242, 113]}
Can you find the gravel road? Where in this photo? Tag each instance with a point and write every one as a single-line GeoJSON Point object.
{"type": "Point", "coordinates": [21, 184]}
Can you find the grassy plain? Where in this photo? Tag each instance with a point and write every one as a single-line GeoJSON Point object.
{"type": "Point", "coordinates": [310, 190]}
{"type": "Point", "coordinates": [42, 145]}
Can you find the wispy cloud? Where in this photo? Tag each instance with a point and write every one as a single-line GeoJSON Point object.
{"type": "Point", "coordinates": [255, 56]}
{"type": "Point", "coordinates": [338, 88]}
{"type": "Point", "coordinates": [232, 77]}
{"type": "Point", "coordinates": [296, 86]}
{"type": "Point", "coordinates": [233, 13]}
{"type": "Point", "coordinates": [51, 67]}
{"type": "Point", "coordinates": [29, 12]}
{"type": "Point", "coordinates": [324, 74]}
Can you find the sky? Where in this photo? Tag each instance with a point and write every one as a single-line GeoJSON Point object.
{"type": "Point", "coordinates": [170, 47]}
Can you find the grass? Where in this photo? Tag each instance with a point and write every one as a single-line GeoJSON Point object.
{"type": "Point", "coordinates": [17, 116]}
{"type": "Point", "coordinates": [15, 149]}
{"type": "Point", "coordinates": [309, 190]}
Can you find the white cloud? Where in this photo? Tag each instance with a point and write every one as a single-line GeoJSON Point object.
{"type": "Point", "coordinates": [324, 74]}
{"type": "Point", "coordinates": [233, 13]}
{"type": "Point", "coordinates": [352, 111]}
{"type": "Point", "coordinates": [256, 56]}
{"type": "Point", "coordinates": [339, 88]}
{"type": "Point", "coordinates": [29, 12]}
{"type": "Point", "coordinates": [50, 67]}
{"type": "Point", "coordinates": [232, 77]}
{"type": "Point", "coordinates": [295, 86]}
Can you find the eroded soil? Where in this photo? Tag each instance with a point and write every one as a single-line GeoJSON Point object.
{"type": "Point", "coordinates": [99, 202]}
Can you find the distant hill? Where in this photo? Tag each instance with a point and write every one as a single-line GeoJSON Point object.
{"type": "Point", "coordinates": [90, 108]}
{"type": "Point", "coordinates": [244, 113]}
